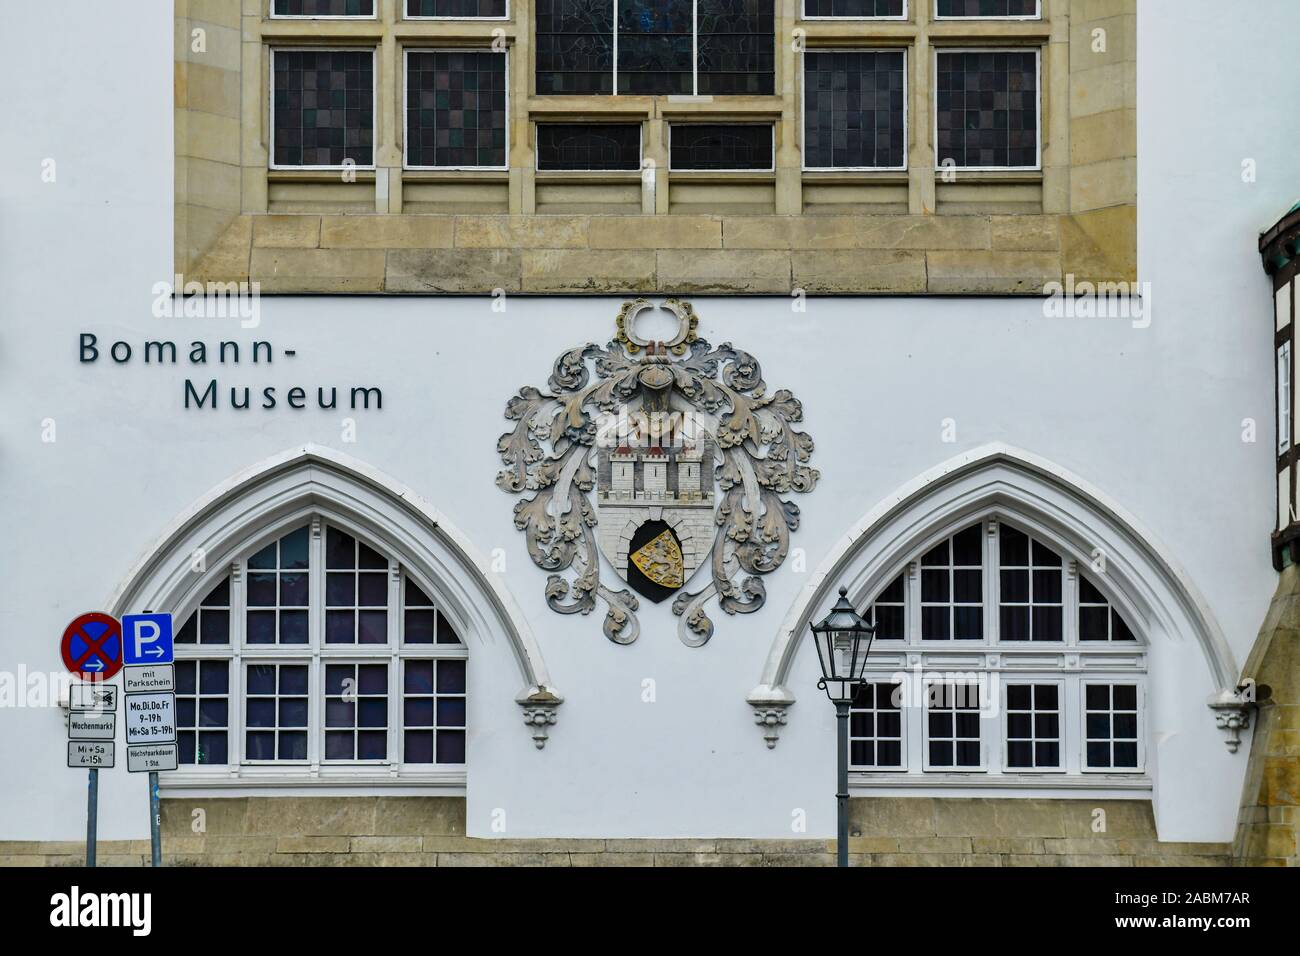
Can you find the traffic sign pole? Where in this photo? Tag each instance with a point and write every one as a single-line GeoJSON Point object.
{"type": "Point", "coordinates": [92, 815]}
{"type": "Point", "coordinates": [150, 685]}
{"type": "Point", "coordinates": [155, 821]}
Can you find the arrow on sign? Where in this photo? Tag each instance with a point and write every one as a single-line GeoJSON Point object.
{"type": "Point", "coordinates": [95, 665]}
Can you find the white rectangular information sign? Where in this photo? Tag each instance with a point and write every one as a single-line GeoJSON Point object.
{"type": "Point", "coordinates": [150, 758]}
{"type": "Point", "coordinates": [149, 679]}
{"type": "Point", "coordinates": [93, 697]}
{"type": "Point", "coordinates": [150, 718]}
{"type": "Point", "coordinates": [92, 725]}
{"type": "Point", "coordinates": [90, 753]}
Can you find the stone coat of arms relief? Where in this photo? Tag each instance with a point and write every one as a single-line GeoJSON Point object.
{"type": "Point", "coordinates": [664, 457]}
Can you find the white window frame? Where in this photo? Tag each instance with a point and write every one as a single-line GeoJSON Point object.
{"type": "Point", "coordinates": [406, 92]}
{"type": "Point", "coordinates": [803, 6]}
{"type": "Point", "coordinates": [1069, 605]}
{"type": "Point", "coordinates": [278, 661]}
{"type": "Point", "coordinates": [1112, 681]}
{"type": "Point", "coordinates": [1037, 16]}
{"type": "Point", "coordinates": [903, 741]}
{"type": "Point", "coordinates": [435, 696]}
{"type": "Point", "coordinates": [404, 16]}
{"type": "Point", "coordinates": [1070, 664]}
{"type": "Point", "coordinates": [1062, 717]}
{"type": "Point", "coordinates": [700, 121]}
{"type": "Point", "coordinates": [272, 15]}
{"type": "Point", "coordinates": [316, 774]}
{"type": "Point", "coordinates": [934, 106]}
{"type": "Point", "coordinates": [981, 717]}
{"type": "Point", "coordinates": [356, 727]}
{"type": "Point", "coordinates": [1284, 388]}
{"type": "Point", "coordinates": [198, 697]}
{"type": "Point", "coordinates": [610, 121]}
{"type": "Point", "coordinates": [990, 532]}
{"type": "Point", "coordinates": [374, 104]}
{"type": "Point", "coordinates": [803, 108]}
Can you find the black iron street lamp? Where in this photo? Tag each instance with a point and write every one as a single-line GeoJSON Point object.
{"type": "Point", "coordinates": [843, 640]}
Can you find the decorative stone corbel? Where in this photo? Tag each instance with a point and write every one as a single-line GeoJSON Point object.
{"type": "Point", "coordinates": [1232, 713]}
{"type": "Point", "coordinates": [539, 704]}
{"type": "Point", "coordinates": [770, 705]}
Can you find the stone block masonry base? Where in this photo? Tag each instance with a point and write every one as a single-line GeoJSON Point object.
{"type": "Point", "coordinates": [430, 831]}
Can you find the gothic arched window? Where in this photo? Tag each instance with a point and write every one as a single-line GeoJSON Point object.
{"type": "Point", "coordinates": [995, 654]}
{"type": "Point", "coordinates": [319, 652]}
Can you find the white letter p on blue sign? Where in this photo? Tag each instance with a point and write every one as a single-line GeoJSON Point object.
{"type": "Point", "coordinates": [147, 639]}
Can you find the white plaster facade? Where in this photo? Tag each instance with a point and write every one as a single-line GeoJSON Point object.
{"type": "Point", "coordinates": [1135, 431]}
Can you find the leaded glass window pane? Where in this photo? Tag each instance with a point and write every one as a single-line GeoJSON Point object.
{"type": "Point", "coordinates": [456, 109]}
{"type": "Point", "coordinates": [975, 9]}
{"type": "Point", "coordinates": [736, 43]}
{"type": "Point", "coordinates": [323, 107]}
{"type": "Point", "coordinates": [853, 8]}
{"type": "Point", "coordinates": [590, 146]}
{"type": "Point", "coordinates": [854, 110]}
{"type": "Point", "coordinates": [456, 9]}
{"type": "Point", "coordinates": [324, 8]}
{"type": "Point", "coordinates": [987, 109]}
{"type": "Point", "coordinates": [654, 47]}
{"type": "Point", "coordinates": [717, 146]}
{"type": "Point", "coordinates": [575, 46]}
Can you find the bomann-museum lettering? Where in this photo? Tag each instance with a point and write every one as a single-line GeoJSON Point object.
{"type": "Point", "coordinates": [209, 394]}
{"type": "Point", "coordinates": [241, 396]}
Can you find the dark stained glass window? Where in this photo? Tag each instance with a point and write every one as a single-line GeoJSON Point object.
{"type": "Point", "coordinates": [456, 108]}
{"type": "Point", "coordinates": [717, 146]}
{"type": "Point", "coordinates": [465, 9]}
{"type": "Point", "coordinates": [575, 46]}
{"type": "Point", "coordinates": [654, 47]}
{"type": "Point", "coordinates": [737, 47]}
{"type": "Point", "coordinates": [853, 8]}
{"type": "Point", "coordinates": [323, 107]}
{"type": "Point", "coordinates": [987, 109]}
{"type": "Point", "coordinates": [853, 110]}
{"type": "Point", "coordinates": [324, 8]}
{"type": "Point", "coordinates": [988, 8]}
{"type": "Point", "coordinates": [672, 47]}
{"type": "Point", "coordinates": [590, 146]}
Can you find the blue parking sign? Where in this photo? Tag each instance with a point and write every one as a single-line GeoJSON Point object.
{"type": "Point", "coordinates": [147, 639]}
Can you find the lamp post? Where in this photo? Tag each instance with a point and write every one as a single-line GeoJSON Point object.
{"type": "Point", "coordinates": [843, 641]}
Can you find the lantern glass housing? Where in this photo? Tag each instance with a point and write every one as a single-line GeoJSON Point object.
{"type": "Point", "coordinates": [843, 641]}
